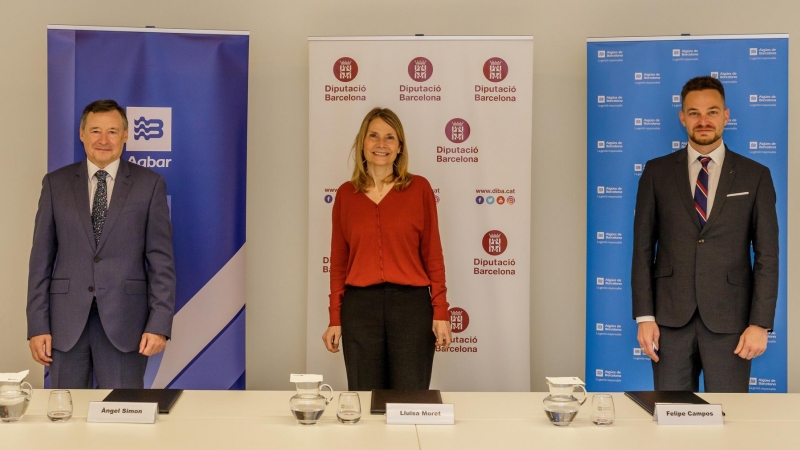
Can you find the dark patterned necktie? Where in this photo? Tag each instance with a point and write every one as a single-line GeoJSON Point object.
{"type": "Point", "coordinates": [701, 191]}
{"type": "Point", "coordinates": [99, 205]}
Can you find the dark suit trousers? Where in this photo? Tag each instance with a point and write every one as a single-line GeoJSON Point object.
{"type": "Point", "coordinates": [686, 351]}
{"type": "Point", "coordinates": [387, 337]}
{"type": "Point", "coordinates": [94, 357]}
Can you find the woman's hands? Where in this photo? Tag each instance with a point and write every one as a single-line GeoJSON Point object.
{"type": "Point", "coordinates": [441, 329]}
{"type": "Point", "coordinates": [331, 338]}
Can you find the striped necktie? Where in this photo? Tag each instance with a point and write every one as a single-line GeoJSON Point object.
{"type": "Point", "coordinates": [100, 204]}
{"type": "Point", "coordinates": [701, 191]}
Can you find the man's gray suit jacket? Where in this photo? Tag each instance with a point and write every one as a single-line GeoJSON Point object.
{"type": "Point", "coordinates": [130, 271]}
{"type": "Point", "coordinates": [678, 267]}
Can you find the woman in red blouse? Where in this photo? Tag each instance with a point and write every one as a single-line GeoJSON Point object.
{"type": "Point", "coordinates": [388, 298]}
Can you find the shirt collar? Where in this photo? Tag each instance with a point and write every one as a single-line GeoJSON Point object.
{"type": "Point", "coordinates": [717, 155]}
{"type": "Point", "coordinates": [111, 169]}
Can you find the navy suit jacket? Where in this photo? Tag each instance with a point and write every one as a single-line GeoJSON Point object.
{"type": "Point", "coordinates": [130, 271]}
{"type": "Point", "coordinates": [679, 268]}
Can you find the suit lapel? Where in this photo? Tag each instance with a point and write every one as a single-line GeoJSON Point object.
{"type": "Point", "coordinates": [682, 181]}
{"type": "Point", "coordinates": [80, 189]}
{"type": "Point", "coordinates": [726, 177]}
{"type": "Point", "coordinates": [122, 185]}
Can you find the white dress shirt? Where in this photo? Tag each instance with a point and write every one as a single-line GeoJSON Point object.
{"type": "Point", "coordinates": [714, 169]}
{"type": "Point", "coordinates": [112, 175]}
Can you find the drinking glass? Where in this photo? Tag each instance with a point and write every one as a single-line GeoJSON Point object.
{"type": "Point", "coordinates": [349, 410]}
{"type": "Point", "coordinates": [59, 407]}
{"type": "Point", "coordinates": [602, 409]}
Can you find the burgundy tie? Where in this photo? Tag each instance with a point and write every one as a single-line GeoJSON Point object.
{"type": "Point", "coordinates": [701, 191]}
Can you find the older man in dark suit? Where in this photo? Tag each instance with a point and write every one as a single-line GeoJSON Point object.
{"type": "Point", "coordinates": [701, 304]}
{"type": "Point", "coordinates": [101, 285]}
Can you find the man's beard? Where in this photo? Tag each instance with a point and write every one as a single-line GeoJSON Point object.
{"type": "Point", "coordinates": [705, 141]}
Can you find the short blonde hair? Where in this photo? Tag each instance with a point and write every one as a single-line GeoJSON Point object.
{"type": "Point", "coordinates": [400, 175]}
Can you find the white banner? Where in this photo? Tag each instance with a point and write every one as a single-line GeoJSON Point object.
{"type": "Point", "coordinates": [465, 104]}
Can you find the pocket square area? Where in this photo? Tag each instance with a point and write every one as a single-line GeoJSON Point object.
{"type": "Point", "coordinates": [738, 194]}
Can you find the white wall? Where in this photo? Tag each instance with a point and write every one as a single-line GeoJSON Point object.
{"type": "Point", "coordinates": [277, 217]}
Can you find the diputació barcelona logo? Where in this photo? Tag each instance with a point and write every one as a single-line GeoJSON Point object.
{"type": "Point", "coordinates": [494, 242]}
{"type": "Point", "coordinates": [459, 320]}
{"type": "Point", "coordinates": [345, 69]}
{"type": "Point", "coordinates": [457, 130]}
{"type": "Point", "coordinates": [420, 69]}
{"type": "Point", "coordinates": [495, 70]}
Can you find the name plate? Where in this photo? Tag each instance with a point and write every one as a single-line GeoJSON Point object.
{"type": "Point", "coordinates": [420, 414]}
{"type": "Point", "coordinates": [683, 414]}
{"type": "Point", "coordinates": [122, 412]}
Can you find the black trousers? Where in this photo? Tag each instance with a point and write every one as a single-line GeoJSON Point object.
{"type": "Point", "coordinates": [686, 351]}
{"type": "Point", "coordinates": [387, 338]}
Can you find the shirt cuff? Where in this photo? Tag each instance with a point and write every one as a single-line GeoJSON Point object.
{"type": "Point", "coordinates": [641, 319]}
{"type": "Point", "coordinates": [441, 312]}
{"type": "Point", "coordinates": [334, 317]}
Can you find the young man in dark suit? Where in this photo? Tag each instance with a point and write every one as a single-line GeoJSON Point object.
{"type": "Point", "coordinates": [700, 303]}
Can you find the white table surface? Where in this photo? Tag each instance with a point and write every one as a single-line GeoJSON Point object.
{"type": "Point", "coordinates": [500, 421]}
{"type": "Point", "coordinates": [233, 420]}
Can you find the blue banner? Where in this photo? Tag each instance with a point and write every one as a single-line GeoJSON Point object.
{"type": "Point", "coordinates": [185, 94]}
{"type": "Point", "coordinates": [633, 92]}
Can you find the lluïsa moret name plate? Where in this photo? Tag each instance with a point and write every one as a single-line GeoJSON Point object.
{"type": "Point", "coordinates": [420, 414]}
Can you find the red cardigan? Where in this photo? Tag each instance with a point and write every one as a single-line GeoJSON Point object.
{"type": "Point", "coordinates": [396, 241]}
